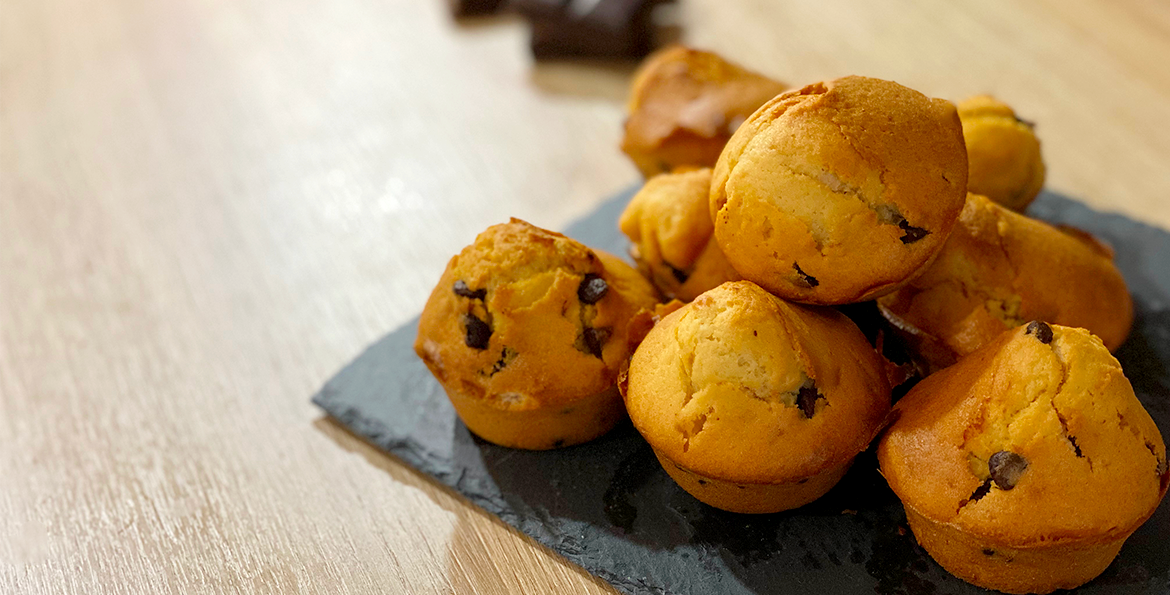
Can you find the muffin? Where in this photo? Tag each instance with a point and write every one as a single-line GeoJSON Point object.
{"type": "Point", "coordinates": [753, 404]}
{"type": "Point", "coordinates": [684, 105]}
{"type": "Point", "coordinates": [841, 191]}
{"type": "Point", "coordinates": [527, 330]}
{"type": "Point", "coordinates": [1025, 466]}
{"type": "Point", "coordinates": [672, 236]}
{"type": "Point", "coordinates": [1000, 269]}
{"type": "Point", "coordinates": [1003, 153]}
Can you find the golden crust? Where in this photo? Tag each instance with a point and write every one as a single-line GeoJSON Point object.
{"type": "Point", "coordinates": [684, 105]}
{"type": "Point", "coordinates": [1003, 153]}
{"type": "Point", "coordinates": [521, 283]}
{"type": "Point", "coordinates": [1000, 269]}
{"type": "Point", "coordinates": [673, 237]}
{"type": "Point", "coordinates": [1042, 569]}
{"type": "Point", "coordinates": [753, 498]}
{"type": "Point", "coordinates": [1095, 461]}
{"type": "Point", "coordinates": [718, 382]}
{"type": "Point", "coordinates": [841, 191]}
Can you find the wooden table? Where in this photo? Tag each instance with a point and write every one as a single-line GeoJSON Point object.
{"type": "Point", "coordinates": [208, 207]}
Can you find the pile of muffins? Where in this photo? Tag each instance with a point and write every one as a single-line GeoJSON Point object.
{"type": "Point", "coordinates": [1020, 452]}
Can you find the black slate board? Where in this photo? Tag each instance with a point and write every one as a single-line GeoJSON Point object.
{"type": "Point", "coordinates": [610, 508]}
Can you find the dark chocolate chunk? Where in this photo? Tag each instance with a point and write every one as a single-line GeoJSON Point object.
{"type": "Point", "coordinates": [462, 290]}
{"type": "Point", "coordinates": [980, 491]}
{"type": "Point", "coordinates": [805, 279]}
{"type": "Point", "coordinates": [478, 332]}
{"type": "Point", "coordinates": [1006, 467]}
{"type": "Point", "coordinates": [595, 338]}
{"type": "Point", "coordinates": [592, 289]}
{"type": "Point", "coordinates": [913, 234]}
{"type": "Point", "coordinates": [466, 8]}
{"type": "Point", "coordinates": [603, 28]}
{"type": "Point", "coordinates": [679, 274]}
{"type": "Point", "coordinates": [1041, 330]}
{"type": "Point", "coordinates": [806, 399]}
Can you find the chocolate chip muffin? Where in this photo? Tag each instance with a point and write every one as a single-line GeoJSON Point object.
{"type": "Point", "coordinates": [753, 404]}
{"type": "Point", "coordinates": [1000, 269]}
{"type": "Point", "coordinates": [526, 331]}
{"type": "Point", "coordinates": [672, 236]}
{"type": "Point", "coordinates": [841, 191]}
{"type": "Point", "coordinates": [1003, 153]}
{"type": "Point", "coordinates": [684, 105]}
{"type": "Point", "coordinates": [1026, 466]}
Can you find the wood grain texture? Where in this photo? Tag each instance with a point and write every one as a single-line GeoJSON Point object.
{"type": "Point", "coordinates": [207, 207]}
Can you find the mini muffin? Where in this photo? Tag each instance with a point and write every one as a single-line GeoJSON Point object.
{"type": "Point", "coordinates": [1003, 153]}
{"type": "Point", "coordinates": [841, 191]}
{"type": "Point", "coordinates": [753, 404]}
{"type": "Point", "coordinates": [684, 105]}
{"type": "Point", "coordinates": [1025, 466]}
{"type": "Point", "coordinates": [673, 238]}
{"type": "Point", "coordinates": [1000, 269]}
{"type": "Point", "coordinates": [526, 331]}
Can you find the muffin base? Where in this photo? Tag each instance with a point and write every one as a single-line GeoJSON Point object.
{"type": "Point", "coordinates": [545, 427]}
{"type": "Point", "coordinates": [753, 498]}
{"type": "Point", "coordinates": [1041, 569]}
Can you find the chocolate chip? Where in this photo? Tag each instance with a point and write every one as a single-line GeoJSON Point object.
{"type": "Point", "coordinates": [594, 339]}
{"type": "Point", "coordinates": [592, 289]}
{"type": "Point", "coordinates": [1041, 330]}
{"type": "Point", "coordinates": [679, 274]}
{"type": "Point", "coordinates": [507, 354]}
{"type": "Point", "coordinates": [980, 491]}
{"type": "Point", "coordinates": [913, 234]}
{"type": "Point", "coordinates": [462, 290]}
{"type": "Point", "coordinates": [805, 279]}
{"type": "Point", "coordinates": [988, 552]}
{"type": "Point", "coordinates": [1006, 467]}
{"type": "Point", "coordinates": [478, 332]}
{"type": "Point", "coordinates": [806, 399]}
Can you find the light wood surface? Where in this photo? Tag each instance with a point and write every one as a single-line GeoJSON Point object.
{"type": "Point", "coordinates": [207, 207]}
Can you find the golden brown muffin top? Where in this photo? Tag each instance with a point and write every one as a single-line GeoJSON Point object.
{"type": "Point", "coordinates": [670, 228]}
{"type": "Point", "coordinates": [525, 317]}
{"type": "Point", "coordinates": [1003, 152]}
{"type": "Point", "coordinates": [840, 191]}
{"type": "Point", "coordinates": [682, 94]}
{"type": "Point", "coordinates": [1035, 437]}
{"type": "Point", "coordinates": [1000, 269]}
{"type": "Point", "coordinates": [742, 386]}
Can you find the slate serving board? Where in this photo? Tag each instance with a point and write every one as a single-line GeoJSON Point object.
{"type": "Point", "coordinates": [610, 508]}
